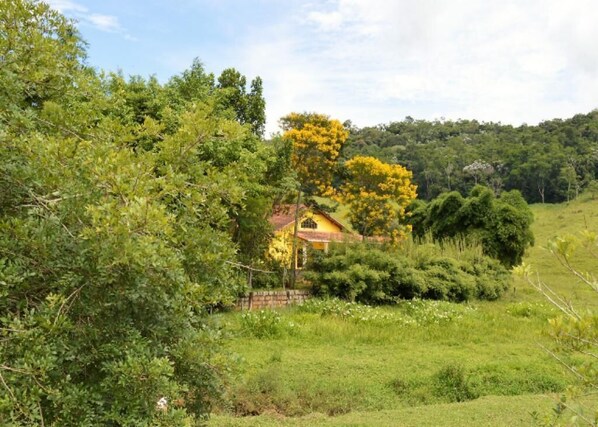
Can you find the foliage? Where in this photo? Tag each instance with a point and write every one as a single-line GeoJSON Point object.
{"type": "Point", "coordinates": [452, 383]}
{"type": "Point", "coordinates": [121, 205]}
{"type": "Point", "coordinates": [40, 51]}
{"type": "Point", "coordinates": [249, 107]}
{"type": "Point", "coordinates": [377, 194]}
{"type": "Point", "coordinates": [372, 274]}
{"type": "Point", "coordinates": [593, 188]}
{"type": "Point", "coordinates": [413, 312]}
{"type": "Point", "coordinates": [317, 141]}
{"type": "Point", "coordinates": [550, 162]}
{"type": "Point", "coordinates": [501, 224]}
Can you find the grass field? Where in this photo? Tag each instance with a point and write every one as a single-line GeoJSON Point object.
{"type": "Point", "coordinates": [492, 411]}
{"type": "Point", "coordinates": [439, 364]}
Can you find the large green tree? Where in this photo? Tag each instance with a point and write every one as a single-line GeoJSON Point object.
{"type": "Point", "coordinates": [119, 203]}
{"type": "Point", "coordinates": [249, 108]}
{"type": "Point", "coordinates": [500, 224]}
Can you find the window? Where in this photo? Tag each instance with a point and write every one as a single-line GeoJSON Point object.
{"type": "Point", "coordinates": [309, 223]}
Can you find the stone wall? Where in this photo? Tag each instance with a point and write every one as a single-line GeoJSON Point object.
{"type": "Point", "coordinates": [257, 300]}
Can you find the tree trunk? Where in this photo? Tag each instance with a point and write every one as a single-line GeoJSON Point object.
{"type": "Point", "coordinates": [541, 190]}
{"type": "Point", "coordinates": [294, 245]}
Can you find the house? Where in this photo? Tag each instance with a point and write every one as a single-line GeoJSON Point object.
{"type": "Point", "coordinates": [316, 229]}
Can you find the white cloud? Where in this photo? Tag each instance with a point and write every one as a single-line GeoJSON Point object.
{"type": "Point", "coordinates": [373, 60]}
{"type": "Point", "coordinates": [326, 21]}
{"type": "Point", "coordinates": [106, 23]}
{"type": "Point", "coordinates": [66, 6]}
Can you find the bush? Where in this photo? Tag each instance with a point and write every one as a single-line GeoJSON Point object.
{"type": "Point", "coordinates": [372, 274]}
{"type": "Point", "coordinates": [501, 225]}
{"type": "Point", "coordinates": [115, 235]}
{"type": "Point", "coordinates": [274, 280]}
{"type": "Point", "coordinates": [452, 383]}
{"type": "Point", "coordinates": [446, 280]}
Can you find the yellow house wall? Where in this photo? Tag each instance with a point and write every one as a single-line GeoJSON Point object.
{"type": "Point", "coordinates": [321, 246]}
{"type": "Point", "coordinates": [324, 224]}
{"type": "Point", "coordinates": [281, 246]}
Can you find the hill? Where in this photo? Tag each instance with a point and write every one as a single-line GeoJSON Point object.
{"type": "Point", "coordinates": [550, 162]}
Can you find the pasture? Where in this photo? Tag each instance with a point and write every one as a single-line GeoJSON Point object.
{"type": "Point", "coordinates": [416, 363]}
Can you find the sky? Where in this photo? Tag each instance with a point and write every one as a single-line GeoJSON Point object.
{"type": "Point", "coordinates": [368, 61]}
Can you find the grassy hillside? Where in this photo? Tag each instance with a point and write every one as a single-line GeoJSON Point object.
{"type": "Point", "coordinates": [558, 220]}
{"type": "Point", "coordinates": [394, 366]}
{"type": "Point", "coordinates": [493, 411]}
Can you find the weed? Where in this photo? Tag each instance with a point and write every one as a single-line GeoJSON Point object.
{"type": "Point", "coordinates": [265, 324]}
{"type": "Point", "coordinates": [529, 309]}
{"type": "Point", "coordinates": [424, 312]}
{"type": "Point", "coordinates": [451, 383]}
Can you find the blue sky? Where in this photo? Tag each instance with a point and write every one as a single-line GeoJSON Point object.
{"type": "Point", "coordinates": [370, 61]}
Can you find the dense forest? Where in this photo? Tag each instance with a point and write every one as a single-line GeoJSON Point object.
{"type": "Point", "coordinates": [550, 162]}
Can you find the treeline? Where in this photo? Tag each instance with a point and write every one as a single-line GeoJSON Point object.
{"type": "Point", "coordinates": [550, 162]}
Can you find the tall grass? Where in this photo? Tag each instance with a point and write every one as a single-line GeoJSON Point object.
{"type": "Point", "coordinates": [460, 248]}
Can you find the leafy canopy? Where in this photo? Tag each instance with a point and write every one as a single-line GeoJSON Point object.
{"type": "Point", "coordinates": [377, 194]}
{"type": "Point", "coordinates": [121, 203]}
{"type": "Point", "coordinates": [500, 224]}
{"type": "Point", "coordinates": [317, 141]}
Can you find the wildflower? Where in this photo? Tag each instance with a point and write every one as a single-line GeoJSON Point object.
{"type": "Point", "coordinates": [162, 404]}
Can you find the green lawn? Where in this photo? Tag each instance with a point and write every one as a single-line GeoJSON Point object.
{"type": "Point", "coordinates": [327, 370]}
{"type": "Point", "coordinates": [492, 411]}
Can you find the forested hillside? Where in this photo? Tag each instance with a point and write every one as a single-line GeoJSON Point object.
{"type": "Point", "coordinates": [550, 162]}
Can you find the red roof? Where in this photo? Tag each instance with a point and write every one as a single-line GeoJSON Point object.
{"type": "Point", "coordinates": [321, 236]}
{"type": "Point", "coordinates": [284, 215]}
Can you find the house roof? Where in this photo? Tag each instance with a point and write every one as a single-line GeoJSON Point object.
{"type": "Point", "coordinates": [321, 236]}
{"type": "Point", "coordinates": [284, 215]}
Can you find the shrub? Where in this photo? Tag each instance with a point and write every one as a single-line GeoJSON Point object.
{"type": "Point", "coordinates": [452, 383]}
{"type": "Point", "coordinates": [115, 235]}
{"type": "Point", "coordinates": [373, 274]}
{"type": "Point", "coordinates": [502, 225]}
{"type": "Point", "coordinates": [446, 280]}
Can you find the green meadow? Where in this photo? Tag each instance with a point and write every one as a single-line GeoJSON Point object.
{"type": "Point", "coordinates": [413, 364]}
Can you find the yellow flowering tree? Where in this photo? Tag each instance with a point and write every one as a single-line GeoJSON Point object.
{"type": "Point", "coordinates": [377, 194]}
{"type": "Point", "coordinates": [317, 141]}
